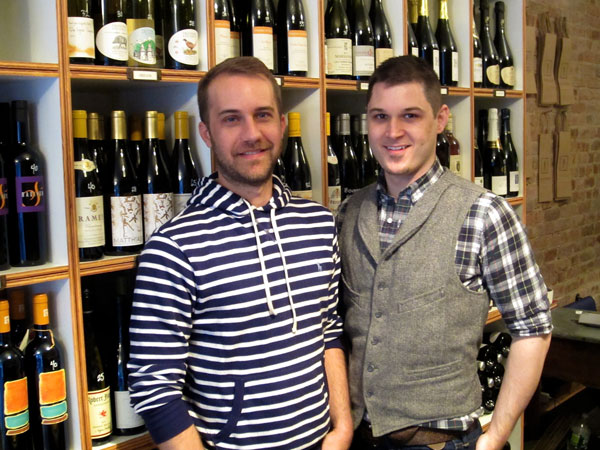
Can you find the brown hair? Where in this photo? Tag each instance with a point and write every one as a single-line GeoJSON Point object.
{"type": "Point", "coordinates": [408, 69]}
{"type": "Point", "coordinates": [243, 65]}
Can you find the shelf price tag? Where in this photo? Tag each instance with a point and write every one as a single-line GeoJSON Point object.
{"type": "Point", "coordinates": [499, 93]}
{"type": "Point", "coordinates": [362, 85]}
{"type": "Point", "coordinates": [444, 91]}
{"type": "Point", "coordinates": [137, 74]}
{"type": "Point", "coordinates": [279, 81]}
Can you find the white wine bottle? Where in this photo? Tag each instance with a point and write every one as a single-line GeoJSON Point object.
{"type": "Point", "coordinates": [181, 35]}
{"type": "Point", "coordinates": [349, 167]}
{"type": "Point", "coordinates": [222, 34]}
{"type": "Point", "coordinates": [382, 32]}
{"type": "Point", "coordinates": [297, 169]}
{"type": "Point", "coordinates": [448, 53]}
{"type": "Point", "coordinates": [141, 35]}
{"type": "Point", "coordinates": [81, 32]}
{"type": "Point", "coordinates": [338, 42]}
{"type": "Point", "coordinates": [111, 32]}
{"type": "Point", "coordinates": [363, 41]}
{"type": "Point", "coordinates": [292, 38]}
{"type": "Point", "coordinates": [257, 36]}
{"type": "Point", "coordinates": [496, 167]}
{"type": "Point", "coordinates": [428, 46]}
{"type": "Point", "coordinates": [510, 153]}
{"type": "Point", "coordinates": [505, 58]}
{"type": "Point", "coordinates": [334, 183]}
{"type": "Point", "coordinates": [489, 56]}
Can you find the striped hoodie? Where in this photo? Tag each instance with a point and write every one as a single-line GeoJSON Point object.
{"type": "Point", "coordinates": [233, 309]}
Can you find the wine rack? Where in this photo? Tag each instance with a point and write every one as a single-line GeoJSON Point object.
{"type": "Point", "coordinates": [34, 66]}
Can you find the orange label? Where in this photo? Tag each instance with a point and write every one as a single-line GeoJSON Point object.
{"type": "Point", "coordinates": [222, 24]}
{"type": "Point", "coordinates": [15, 396]}
{"type": "Point", "coordinates": [4, 322]}
{"type": "Point", "coordinates": [298, 33]}
{"type": "Point", "coordinates": [262, 30]}
{"type": "Point", "coordinates": [53, 387]}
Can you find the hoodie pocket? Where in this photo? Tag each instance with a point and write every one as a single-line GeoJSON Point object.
{"type": "Point", "coordinates": [236, 411]}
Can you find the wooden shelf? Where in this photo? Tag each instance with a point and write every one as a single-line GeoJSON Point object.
{"type": "Point", "coordinates": [108, 264]}
{"type": "Point", "coordinates": [136, 442]}
{"type": "Point", "coordinates": [497, 93]}
{"type": "Point", "coordinates": [24, 276]}
{"type": "Point", "coordinates": [493, 315]}
{"type": "Point", "coordinates": [24, 69]}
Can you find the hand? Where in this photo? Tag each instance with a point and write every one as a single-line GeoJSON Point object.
{"type": "Point", "coordinates": [486, 442]}
{"type": "Point", "coordinates": [337, 439]}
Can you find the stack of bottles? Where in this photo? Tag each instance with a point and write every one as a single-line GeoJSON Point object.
{"type": "Point", "coordinates": [127, 188]}
{"type": "Point", "coordinates": [33, 386]}
{"type": "Point", "coordinates": [490, 366]}
{"type": "Point", "coordinates": [23, 227]}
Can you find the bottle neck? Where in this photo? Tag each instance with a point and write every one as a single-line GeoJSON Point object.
{"type": "Point", "coordinates": [485, 16]}
{"type": "Point", "coordinates": [506, 125]}
{"type": "Point", "coordinates": [492, 135]}
{"type": "Point", "coordinates": [500, 20]}
{"type": "Point", "coordinates": [182, 130]}
{"type": "Point", "coordinates": [345, 126]}
{"type": "Point", "coordinates": [119, 130]}
{"type": "Point", "coordinates": [21, 132]}
{"type": "Point", "coordinates": [443, 10]}
{"type": "Point", "coordinates": [94, 132]}
{"type": "Point", "coordinates": [424, 8]}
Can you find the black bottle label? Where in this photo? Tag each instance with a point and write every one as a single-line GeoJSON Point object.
{"type": "Point", "coordinates": [30, 194]}
{"type": "Point", "coordinates": [3, 197]}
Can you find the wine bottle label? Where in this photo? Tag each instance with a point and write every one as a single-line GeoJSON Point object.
{"type": "Point", "coordinates": [183, 47]}
{"type": "Point", "coordinates": [52, 392]}
{"type": "Point", "coordinates": [111, 41]}
{"type": "Point", "coordinates": [141, 41]}
{"type": "Point", "coordinates": [335, 197]}
{"type": "Point", "coordinates": [508, 75]}
{"type": "Point", "coordinates": [382, 54]}
{"type": "Point", "coordinates": [3, 197]}
{"type": "Point", "coordinates": [455, 164]}
{"type": "Point", "coordinates": [303, 194]}
{"type": "Point", "coordinates": [262, 45]}
{"type": "Point", "coordinates": [81, 37]}
{"type": "Point", "coordinates": [514, 181]}
{"type": "Point", "coordinates": [90, 221]}
{"type": "Point", "coordinates": [180, 202]}
{"type": "Point", "coordinates": [100, 413]}
{"type": "Point", "coordinates": [414, 51]}
{"type": "Point", "coordinates": [30, 194]}
{"type": "Point", "coordinates": [85, 165]}
{"type": "Point", "coordinates": [478, 181]}
{"type": "Point", "coordinates": [16, 412]}
{"type": "Point", "coordinates": [158, 209]}
{"type": "Point", "coordinates": [126, 221]}
{"type": "Point", "coordinates": [363, 60]}
{"type": "Point", "coordinates": [297, 51]}
{"type": "Point", "coordinates": [477, 70]}
{"type": "Point", "coordinates": [455, 66]}
{"type": "Point", "coordinates": [126, 417]}
{"type": "Point", "coordinates": [235, 44]}
{"type": "Point", "coordinates": [436, 62]}
{"type": "Point", "coordinates": [339, 56]}
{"type": "Point", "coordinates": [499, 185]}
{"type": "Point", "coordinates": [222, 40]}
{"type": "Point", "coordinates": [493, 74]}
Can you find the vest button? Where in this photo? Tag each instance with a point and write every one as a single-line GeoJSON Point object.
{"type": "Point", "coordinates": [381, 286]}
{"type": "Point", "coordinates": [375, 341]}
{"type": "Point", "coordinates": [378, 315]}
{"type": "Point", "coordinates": [370, 394]}
{"type": "Point", "coordinates": [370, 368]}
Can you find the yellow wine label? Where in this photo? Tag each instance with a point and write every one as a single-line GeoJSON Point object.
{"type": "Point", "coordinates": [85, 164]}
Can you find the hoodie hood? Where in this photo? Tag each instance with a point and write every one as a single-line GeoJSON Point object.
{"type": "Point", "coordinates": [210, 193]}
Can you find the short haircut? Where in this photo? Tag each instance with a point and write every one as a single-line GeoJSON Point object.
{"type": "Point", "coordinates": [243, 65]}
{"type": "Point", "coordinates": [408, 69]}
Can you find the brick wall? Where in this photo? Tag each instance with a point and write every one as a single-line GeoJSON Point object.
{"type": "Point", "coordinates": [565, 235]}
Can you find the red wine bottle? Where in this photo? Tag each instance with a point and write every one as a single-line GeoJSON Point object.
{"type": "Point", "coordinates": [505, 58]}
{"type": "Point", "coordinates": [349, 167]}
{"type": "Point", "coordinates": [183, 171]}
{"type": "Point", "coordinates": [297, 169]}
{"type": "Point", "coordinates": [363, 41]}
{"type": "Point", "coordinates": [448, 53]}
{"type": "Point", "coordinates": [510, 153]}
{"type": "Point", "coordinates": [368, 164]}
{"type": "Point", "coordinates": [18, 318]}
{"type": "Point", "coordinates": [222, 33]}
{"type": "Point", "coordinates": [497, 176]}
{"type": "Point", "coordinates": [489, 56]}
{"type": "Point", "coordinates": [477, 61]}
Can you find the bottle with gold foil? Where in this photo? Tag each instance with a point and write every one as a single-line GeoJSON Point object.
{"type": "Point", "coordinates": [297, 169]}
{"type": "Point", "coordinates": [428, 45]}
{"type": "Point", "coordinates": [156, 185]}
{"type": "Point", "coordinates": [88, 192]}
{"type": "Point", "coordinates": [448, 53]}
{"type": "Point", "coordinates": [334, 184]}
{"type": "Point", "coordinates": [184, 173]}
{"type": "Point", "coordinates": [14, 414]}
{"type": "Point", "coordinates": [46, 382]}
{"type": "Point", "coordinates": [19, 331]}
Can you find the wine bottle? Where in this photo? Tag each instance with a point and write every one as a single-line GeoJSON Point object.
{"type": "Point", "coordinates": [181, 35]}
{"type": "Point", "coordinates": [489, 57]}
{"type": "Point", "coordinates": [14, 414]}
{"type": "Point", "coordinates": [477, 61]}
{"type": "Point", "coordinates": [222, 26]}
{"type": "Point", "coordinates": [98, 387]}
{"type": "Point", "coordinates": [279, 170]}
{"type": "Point", "coordinates": [19, 330]}
{"type": "Point", "coordinates": [162, 143]}
{"type": "Point", "coordinates": [184, 173]}
{"type": "Point", "coordinates": [141, 34]}
{"type": "Point", "coordinates": [4, 149]}
{"type": "Point", "coordinates": [126, 420]}
{"type": "Point", "coordinates": [136, 145]}
{"type": "Point", "coordinates": [368, 163]}
{"type": "Point", "coordinates": [156, 186]}
{"type": "Point", "coordinates": [258, 33]}
{"type": "Point", "coordinates": [442, 150]}
{"type": "Point", "coordinates": [297, 169]}
{"type": "Point", "coordinates": [292, 38]}
{"type": "Point", "coordinates": [350, 167]}
{"type": "Point", "coordinates": [89, 204]}
{"type": "Point", "coordinates": [46, 382]}
{"type": "Point", "coordinates": [81, 32]}
{"type": "Point", "coordinates": [381, 32]}
{"type": "Point", "coordinates": [510, 153]}
{"type": "Point", "coordinates": [125, 233]}
{"type": "Point", "coordinates": [428, 46]}
{"type": "Point", "coordinates": [497, 173]}
{"type": "Point", "coordinates": [97, 146]}
{"type": "Point", "coordinates": [478, 166]}
{"type": "Point", "coordinates": [499, 341]}
{"type": "Point", "coordinates": [27, 206]}
{"type": "Point", "coordinates": [355, 133]}
{"type": "Point", "coordinates": [334, 183]}
{"type": "Point", "coordinates": [274, 15]}
{"type": "Point", "coordinates": [159, 31]}
{"type": "Point", "coordinates": [448, 54]}
{"type": "Point", "coordinates": [111, 32]}
{"type": "Point", "coordinates": [453, 146]}
{"type": "Point", "coordinates": [505, 59]}
{"type": "Point", "coordinates": [413, 44]}
{"type": "Point", "coordinates": [235, 35]}
{"type": "Point", "coordinates": [338, 42]}
{"type": "Point", "coordinates": [482, 132]}
{"type": "Point", "coordinates": [363, 41]}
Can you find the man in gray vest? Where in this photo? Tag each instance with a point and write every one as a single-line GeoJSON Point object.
{"type": "Point", "coordinates": [423, 253]}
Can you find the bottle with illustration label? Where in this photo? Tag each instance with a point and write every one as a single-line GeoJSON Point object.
{"type": "Point", "coordinates": [181, 36]}
{"type": "Point", "coordinates": [111, 32]}
{"type": "Point", "coordinates": [141, 34]}
{"type": "Point", "coordinates": [80, 32]}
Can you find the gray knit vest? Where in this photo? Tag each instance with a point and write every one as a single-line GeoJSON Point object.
{"type": "Point", "coordinates": [414, 329]}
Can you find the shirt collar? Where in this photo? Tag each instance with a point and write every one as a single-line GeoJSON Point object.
{"type": "Point", "coordinates": [415, 190]}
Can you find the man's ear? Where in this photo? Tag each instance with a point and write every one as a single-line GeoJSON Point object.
{"type": "Point", "coordinates": [442, 118]}
{"type": "Point", "coordinates": [204, 134]}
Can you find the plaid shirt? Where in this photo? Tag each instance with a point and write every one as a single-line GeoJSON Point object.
{"type": "Point", "coordinates": [492, 253]}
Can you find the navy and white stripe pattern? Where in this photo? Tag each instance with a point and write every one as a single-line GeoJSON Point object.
{"type": "Point", "coordinates": [237, 330]}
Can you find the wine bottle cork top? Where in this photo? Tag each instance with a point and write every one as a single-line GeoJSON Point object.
{"type": "Point", "coordinates": [80, 124]}
{"type": "Point", "coordinates": [79, 114]}
{"type": "Point", "coordinates": [328, 124]}
{"type": "Point", "coordinates": [161, 125]}
{"type": "Point", "coordinates": [40, 309]}
{"type": "Point", "coordinates": [294, 124]}
{"type": "Point", "coordinates": [4, 317]}
{"type": "Point", "coordinates": [182, 130]}
{"type": "Point", "coordinates": [135, 125]}
{"type": "Point", "coordinates": [16, 300]}
{"type": "Point", "coordinates": [151, 125]}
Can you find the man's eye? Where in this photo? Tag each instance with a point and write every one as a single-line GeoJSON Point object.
{"type": "Point", "coordinates": [410, 116]}
{"type": "Point", "coordinates": [264, 115]}
{"type": "Point", "coordinates": [380, 116]}
{"type": "Point", "coordinates": [229, 119]}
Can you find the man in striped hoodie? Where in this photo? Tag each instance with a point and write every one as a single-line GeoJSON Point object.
{"type": "Point", "coordinates": [235, 337]}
